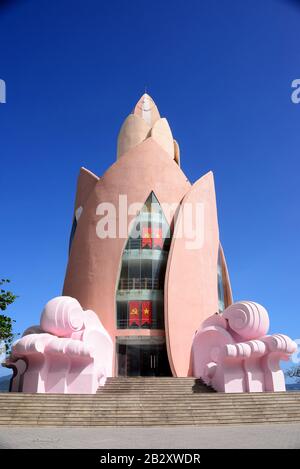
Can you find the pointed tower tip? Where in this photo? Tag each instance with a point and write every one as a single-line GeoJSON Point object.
{"type": "Point", "coordinates": [147, 109]}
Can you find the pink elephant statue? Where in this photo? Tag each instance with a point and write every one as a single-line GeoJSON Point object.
{"type": "Point", "coordinates": [232, 353]}
{"type": "Point", "coordinates": [70, 352]}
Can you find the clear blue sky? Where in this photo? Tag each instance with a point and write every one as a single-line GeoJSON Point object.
{"type": "Point", "coordinates": [221, 73]}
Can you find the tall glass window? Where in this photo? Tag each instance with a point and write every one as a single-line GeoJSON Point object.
{"type": "Point", "coordinates": [77, 215]}
{"type": "Point", "coordinates": [140, 293]}
{"type": "Point", "coordinates": [72, 234]}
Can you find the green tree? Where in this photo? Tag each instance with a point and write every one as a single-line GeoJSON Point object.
{"type": "Point", "coordinates": [6, 323]}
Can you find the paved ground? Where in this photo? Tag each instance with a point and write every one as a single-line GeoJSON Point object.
{"type": "Point", "coordinates": [234, 436]}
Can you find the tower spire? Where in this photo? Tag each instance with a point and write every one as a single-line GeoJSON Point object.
{"type": "Point", "coordinates": [147, 109]}
{"type": "Point", "coordinates": [145, 122]}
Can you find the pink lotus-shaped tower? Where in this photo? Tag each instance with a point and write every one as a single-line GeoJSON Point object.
{"type": "Point", "coordinates": [147, 290]}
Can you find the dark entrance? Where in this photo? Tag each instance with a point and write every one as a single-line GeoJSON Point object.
{"type": "Point", "coordinates": [142, 359]}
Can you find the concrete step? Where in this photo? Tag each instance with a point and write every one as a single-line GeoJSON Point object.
{"type": "Point", "coordinates": [149, 402]}
{"type": "Point", "coordinates": [139, 422]}
{"type": "Point", "coordinates": [149, 406]}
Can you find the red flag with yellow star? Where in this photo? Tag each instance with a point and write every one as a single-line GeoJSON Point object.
{"type": "Point", "coordinates": [134, 313]}
{"type": "Point", "coordinates": [157, 237]}
{"type": "Point", "coordinates": [146, 312]}
{"type": "Point", "coordinates": [146, 237]}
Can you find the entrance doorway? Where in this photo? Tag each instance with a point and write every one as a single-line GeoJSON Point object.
{"type": "Point", "coordinates": [144, 357]}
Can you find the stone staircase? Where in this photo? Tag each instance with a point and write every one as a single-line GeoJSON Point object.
{"type": "Point", "coordinates": [149, 402]}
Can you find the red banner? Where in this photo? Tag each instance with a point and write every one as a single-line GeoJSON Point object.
{"type": "Point", "coordinates": [157, 237]}
{"type": "Point", "coordinates": [146, 237]}
{"type": "Point", "coordinates": [146, 312]}
{"type": "Point", "coordinates": [134, 313]}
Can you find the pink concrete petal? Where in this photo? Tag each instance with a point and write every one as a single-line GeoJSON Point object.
{"type": "Point", "coordinates": [133, 131]}
{"type": "Point", "coordinates": [191, 278]}
{"type": "Point", "coordinates": [162, 134]}
{"type": "Point", "coordinates": [227, 285]}
{"type": "Point", "coordinates": [85, 184]}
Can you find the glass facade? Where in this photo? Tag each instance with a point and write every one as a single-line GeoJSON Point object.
{"type": "Point", "coordinates": [140, 293]}
{"type": "Point", "coordinates": [142, 356]}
